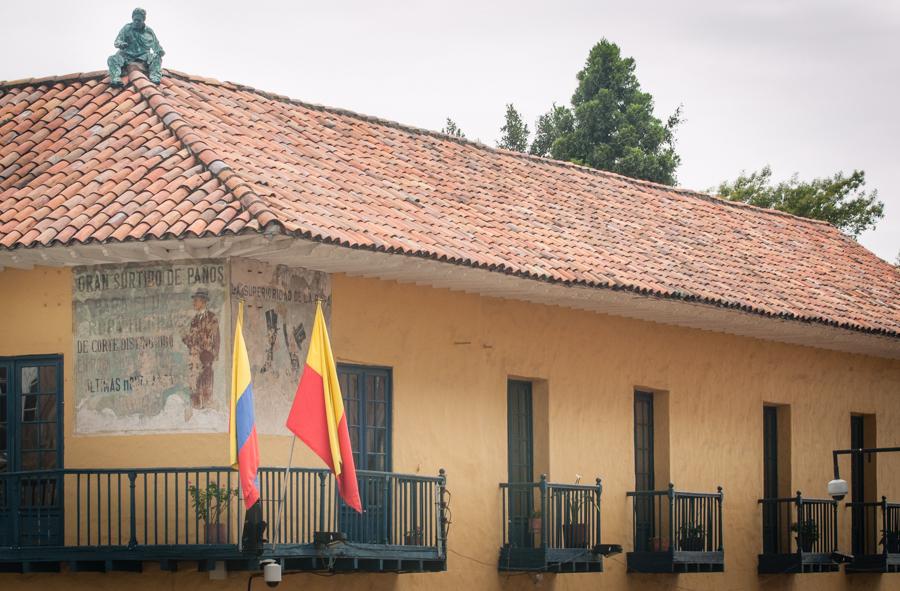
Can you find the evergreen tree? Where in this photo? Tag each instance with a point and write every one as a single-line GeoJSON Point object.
{"type": "Point", "coordinates": [613, 125]}
{"type": "Point", "coordinates": [514, 131]}
{"type": "Point", "coordinates": [549, 127]}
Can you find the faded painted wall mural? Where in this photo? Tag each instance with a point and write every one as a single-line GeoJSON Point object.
{"type": "Point", "coordinates": [153, 343]}
{"type": "Point", "coordinates": [279, 309]}
{"type": "Point", "coordinates": [152, 349]}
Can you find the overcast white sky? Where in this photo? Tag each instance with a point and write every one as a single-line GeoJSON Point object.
{"type": "Point", "coordinates": [810, 87]}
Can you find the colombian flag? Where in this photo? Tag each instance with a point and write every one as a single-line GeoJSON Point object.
{"type": "Point", "coordinates": [317, 415]}
{"type": "Point", "coordinates": [243, 445]}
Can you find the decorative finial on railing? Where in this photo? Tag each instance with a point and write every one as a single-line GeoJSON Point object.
{"type": "Point", "coordinates": [136, 42]}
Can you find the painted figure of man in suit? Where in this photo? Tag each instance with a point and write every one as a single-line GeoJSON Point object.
{"type": "Point", "coordinates": [202, 340]}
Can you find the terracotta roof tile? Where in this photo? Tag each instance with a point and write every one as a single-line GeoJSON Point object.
{"type": "Point", "coordinates": [92, 157]}
{"type": "Point", "coordinates": [80, 162]}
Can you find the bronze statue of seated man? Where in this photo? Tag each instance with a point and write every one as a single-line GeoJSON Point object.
{"type": "Point", "coordinates": [136, 42]}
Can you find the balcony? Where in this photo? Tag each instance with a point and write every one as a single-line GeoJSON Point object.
{"type": "Point", "coordinates": [799, 535]}
{"type": "Point", "coordinates": [676, 532]}
{"type": "Point", "coordinates": [552, 528]}
{"type": "Point", "coordinates": [876, 532]}
{"type": "Point", "coordinates": [116, 520]}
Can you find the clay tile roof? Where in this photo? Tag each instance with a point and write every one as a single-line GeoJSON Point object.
{"type": "Point", "coordinates": [81, 162]}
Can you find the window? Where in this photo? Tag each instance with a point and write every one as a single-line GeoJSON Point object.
{"type": "Point", "coordinates": [651, 458]}
{"type": "Point", "coordinates": [862, 484]}
{"type": "Point", "coordinates": [367, 403]}
{"type": "Point", "coordinates": [644, 477]}
{"type": "Point", "coordinates": [520, 431]}
{"type": "Point", "coordinates": [776, 448]}
{"type": "Point", "coordinates": [520, 458]}
{"type": "Point", "coordinates": [771, 523]}
{"type": "Point", "coordinates": [30, 403]}
{"type": "Point", "coordinates": [31, 439]}
{"type": "Point", "coordinates": [643, 441]}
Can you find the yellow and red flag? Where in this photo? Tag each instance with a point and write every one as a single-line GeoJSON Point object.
{"type": "Point", "coordinates": [243, 448]}
{"type": "Point", "coordinates": [317, 415]}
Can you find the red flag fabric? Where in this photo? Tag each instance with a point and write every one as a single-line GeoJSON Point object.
{"type": "Point", "coordinates": [317, 416]}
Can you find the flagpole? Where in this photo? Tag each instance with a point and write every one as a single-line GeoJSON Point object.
{"type": "Point", "coordinates": [240, 531]}
{"type": "Point", "coordinates": [283, 491]}
{"type": "Point", "coordinates": [232, 409]}
{"type": "Point", "coordinates": [287, 470]}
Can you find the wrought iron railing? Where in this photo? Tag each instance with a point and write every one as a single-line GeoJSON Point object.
{"type": "Point", "coordinates": [797, 524]}
{"type": "Point", "coordinates": [876, 527]}
{"type": "Point", "coordinates": [131, 508]}
{"type": "Point", "coordinates": [671, 520]}
{"type": "Point", "coordinates": [398, 509]}
{"type": "Point", "coordinates": [548, 515]}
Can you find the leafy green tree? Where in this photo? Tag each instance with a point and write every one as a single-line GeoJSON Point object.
{"type": "Point", "coordinates": [613, 125]}
{"type": "Point", "coordinates": [549, 127]}
{"type": "Point", "coordinates": [514, 133]}
{"type": "Point", "coordinates": [451, 128]}
{"type": "Point", "coordinates": [840, 200]}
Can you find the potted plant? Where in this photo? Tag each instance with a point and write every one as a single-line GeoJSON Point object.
{"type": "Point", "coordinates": [691, 537]}
{"type": "Point", "coordinates": [659, 544]}
{"type": "Point", "coordinates": [209, 502]}
{"type": "Point", "coordinates": [891, 541]}
{"type": "Point", "coordinates": [535, 523]}
{"type": "Point", "coordinates": [575, 535]}
{"type": "Point", "coordinates": [574, 529]}
{"type": "Point", "coordinates": [807, 534]}
{"type": "Point", "coordinates": [414, 537]}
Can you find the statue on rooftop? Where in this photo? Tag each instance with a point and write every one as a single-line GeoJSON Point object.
{"type": "Point", "coordinates": [136, 42]}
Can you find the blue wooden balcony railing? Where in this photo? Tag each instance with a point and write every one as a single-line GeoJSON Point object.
{"type": "Point", "coordinates": [119, 517]}
{"type": "Point", "coordinates": [548, 526]}
{"type": "Point", "coordinates": [800, 535]}
{"type": "Point", "coordinates": [676, 531]}
{"type": "Point", "coordinates": [876, 529]}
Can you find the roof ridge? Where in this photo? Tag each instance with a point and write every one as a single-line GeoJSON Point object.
{"type": "Point", "coordinates": [203, 152]}
{"type": "Point", "coordinates": [702, 195]}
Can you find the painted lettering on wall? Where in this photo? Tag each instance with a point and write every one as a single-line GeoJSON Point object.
{"type": "Point", "coordinates": [151, 347]}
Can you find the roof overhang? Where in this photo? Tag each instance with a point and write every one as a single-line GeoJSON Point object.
{"type": "Point", "coordinates": [296, 252]}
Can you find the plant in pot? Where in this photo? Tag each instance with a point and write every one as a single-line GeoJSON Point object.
{"type": "Point", "coordinates": [807, 534]}
{"type": "Point", "coordinates": [691, 537]}
{"type": "Point", "coordinates": [414, 537]}
{"type": "Point", "coordinates": [574, 528]}
{"type": "Point", "coordinates": [209, 503]}
{"type": "Point", "coordinates": [890, 539]}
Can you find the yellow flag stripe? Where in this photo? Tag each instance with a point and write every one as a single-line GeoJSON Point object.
{"type": "Point", "coordinates": [240, 379]}
{"type": "Point", "coordinates": [321, 360]}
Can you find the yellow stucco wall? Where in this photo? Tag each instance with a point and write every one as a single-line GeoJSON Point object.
{"type": "Point", "coordinates": [451, 354]}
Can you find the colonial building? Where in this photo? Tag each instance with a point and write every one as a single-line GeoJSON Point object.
{"type": "Point", "coordinates": [553, 375]}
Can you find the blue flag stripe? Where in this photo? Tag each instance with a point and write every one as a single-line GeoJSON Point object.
{"type": "Point", "coordinates": [244, 416]}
